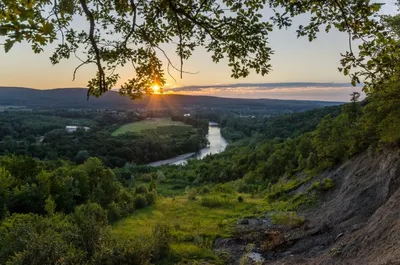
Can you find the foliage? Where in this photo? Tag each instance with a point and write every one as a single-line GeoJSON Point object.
{"type": "Point", "coordinates": [323, 185]}
{"type": "Point", "coordinates": [214, 202]}
{"type": "Point", "coordinates": [51, 188]}
{"type": "Point", "coordinates": [193, 227]}
{"type": "Point", "coordinates": [282, 126]}
{"type": "Point", "coordinates": [42, 134]}
{"type": "Point", "coordinates": [287, 218]}
{"type": "Point", "coordinates": [191, 193]}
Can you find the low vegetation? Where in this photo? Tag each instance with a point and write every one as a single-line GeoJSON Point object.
{"type": "Point", "coordinates": [194, 224]}
{"type": "Point", "coordinates": [287, 218]}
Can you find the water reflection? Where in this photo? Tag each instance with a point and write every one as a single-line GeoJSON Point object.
{"type": "Point", "coordinates": [217, 145]}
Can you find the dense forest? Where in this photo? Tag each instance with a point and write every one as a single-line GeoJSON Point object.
{"type": "Point", "coordinates": [42, 134]}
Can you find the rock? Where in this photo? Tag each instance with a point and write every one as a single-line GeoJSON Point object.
{"type": "Point", "coordinates": [339, 236]}
{"type": "Point", "coordinates": [272, 239]}
{"type": "Point", "coordinates": [243, 222]}
{"type": "Point", "coordinates": [256, 257]}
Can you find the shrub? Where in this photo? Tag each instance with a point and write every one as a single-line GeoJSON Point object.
{"type": "Point", "coordinates": [242, 187]}
{"type": "Point", "coordinates": [140, 201]}
{"type": "Point", "coordinates": [214, 202]}
{"type": "Point", "coordinates": [152, 185]}
{"type": "Point", "coordinates": [287, 218]}
{"type": "Point", "coordinates": [151, 197]}
{"type": "Point", "coordinates": [224, 188]}
{"type": "Point", "coordinates": [328, 183]}
{"type": "Point", "coordinates": [161, 238]}
{"type": "Point", "coordinates": [204, 190]}
{"type": "Point", "coordinates": [191, 193]}
{"type": "Point", "coordinates": [161, 177]}
{"type": "Point", "coordinates": [141, 190]}
{"type": "Point", "coordinates": [147, 177]}
{"type": "Point", "coordinates": [323, 185]}
{"type": "Point", "coordinates": [114, 212]}
{"type": "Point", "coordinates": [240, 199]}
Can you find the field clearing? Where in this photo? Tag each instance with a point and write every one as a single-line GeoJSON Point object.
{"type": "Point", "coordinates": [138, 127]}
{"type": "Point", "coordinates": [194, 226]}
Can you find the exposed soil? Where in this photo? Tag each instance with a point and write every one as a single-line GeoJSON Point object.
{"type": "Point", "coordinates": [358, 222]}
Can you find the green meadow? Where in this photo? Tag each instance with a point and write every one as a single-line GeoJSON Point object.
{"type": "Point", "coordinates": [195, 218]}
{"type": "Point", "coordinates": [140, 126]}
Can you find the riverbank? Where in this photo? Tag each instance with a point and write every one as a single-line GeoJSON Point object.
{"type": "Point", "coordinates": [217, 144]}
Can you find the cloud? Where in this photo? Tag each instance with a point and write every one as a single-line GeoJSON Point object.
{"type": "Point", "coordinates": [258, 86]}
{"type": "Point", "coordinates": [296, 90]}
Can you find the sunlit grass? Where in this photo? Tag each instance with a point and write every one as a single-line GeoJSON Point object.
{"type": "Point", "coordinates": [193, 227]}
{"type": "Point", "coordinates": [139, 126]}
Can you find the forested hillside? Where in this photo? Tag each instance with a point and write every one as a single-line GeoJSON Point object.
{"type": "Point", "coordinates": [76, 98]}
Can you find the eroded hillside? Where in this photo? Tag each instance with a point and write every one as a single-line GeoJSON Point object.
{"type": "Point", "coordinates": [357, 222]}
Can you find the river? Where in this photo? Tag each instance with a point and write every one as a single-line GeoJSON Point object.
{"type": "Point", "coordinates": [217, 145]}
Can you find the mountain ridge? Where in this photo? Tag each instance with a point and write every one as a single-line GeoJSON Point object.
{"type": "Point", "coordinates": [76, 98]}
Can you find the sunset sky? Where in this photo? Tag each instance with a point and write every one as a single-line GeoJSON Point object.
{"type": "Point", "coordinates": [295, 61]}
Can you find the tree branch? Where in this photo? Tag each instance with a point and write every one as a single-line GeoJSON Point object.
{"type": "Point", "coordinates": [89, 15]}
{"type": "Point", "coordinates": [178, 23]}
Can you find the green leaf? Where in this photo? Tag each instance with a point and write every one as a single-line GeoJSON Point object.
{"type": "Point", "coordinates": [3, 31]}
{"type": "Point", "coordinates": [47, 28]}
{"type": "Point", "coordinates": [8, 45]}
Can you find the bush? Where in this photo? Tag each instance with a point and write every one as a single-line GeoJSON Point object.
{"type": "Point", "coordinates": [161, 177]}
{"type": "Point", "coordinates": [141, 190]}
{"type": "Point", "coordinates": [287, 218]}
{"type": "Point", "coordinates": [114, 212]}
{"type": "Point", "coordinates": [140, 201]}
{"type": "Point", "coordinates": [204, 190]}
{"type": "Point", "coordinates": [242, 187]}
{"type": "Point", "coordinates": [161, 238]}
{"type": "Point", "coordinates": [191, 193]}
{"type": "Point", "coordinates": [328, 183]}
{"type": "Point", "coordinates": [240, 199]}
{"type": "Point", "coordinates": [151, 197]}
{"type": "Point", "coordinates": [224, 188]}
{"type": "Point", "coordinates": [214, 202]}
{"type": "Point", "coordinates": [147, 177]}
{"type": "Point", "coordinates": [323, 185]}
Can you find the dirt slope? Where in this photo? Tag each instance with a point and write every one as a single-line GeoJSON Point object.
{"type": "Point", "coordinates": [356, 223]}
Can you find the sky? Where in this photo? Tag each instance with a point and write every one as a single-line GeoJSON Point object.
{"type": "Point", "coordinates": [300, 69]}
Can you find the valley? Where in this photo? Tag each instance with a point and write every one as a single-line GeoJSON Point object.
{"type": "Point", "coordinates": [248, 188]}
{"type": "Point", "coordinates": [166, 156]}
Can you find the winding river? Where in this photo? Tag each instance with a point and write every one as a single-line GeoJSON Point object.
{"type": "Point", "coordinates": [217, 145]}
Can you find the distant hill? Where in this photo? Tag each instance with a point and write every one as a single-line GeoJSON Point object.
{"type": "Point", "coordinates": [76, 98]}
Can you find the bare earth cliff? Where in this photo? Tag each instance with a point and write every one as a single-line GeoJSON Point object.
{"type": "Point", "coordinates": [358, 222]}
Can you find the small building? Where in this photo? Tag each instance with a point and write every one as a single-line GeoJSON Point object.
{"type": "Point", "coordinates": [71, 129]}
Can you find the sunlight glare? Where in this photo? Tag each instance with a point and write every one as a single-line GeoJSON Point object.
{"type": "Point", "coordinates": [156, 89]}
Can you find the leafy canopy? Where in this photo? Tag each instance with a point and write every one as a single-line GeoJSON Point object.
{"type": "Point", "coordinates": [121, 32]}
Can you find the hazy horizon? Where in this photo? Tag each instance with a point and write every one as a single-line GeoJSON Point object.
{"type": "Point", "coordinates": [338, 92]}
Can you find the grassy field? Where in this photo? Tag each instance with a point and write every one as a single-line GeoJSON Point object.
{"type": "Point", "coordinates": [195, 222]}
{"type": "Point", "coordinates": [137, 127]}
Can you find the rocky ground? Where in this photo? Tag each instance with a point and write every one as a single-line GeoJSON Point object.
{"type": "Point", "coordinates": [358, 222]}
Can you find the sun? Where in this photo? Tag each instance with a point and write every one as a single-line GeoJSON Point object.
{"type": "Point", "coordinates": [156, 89]}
